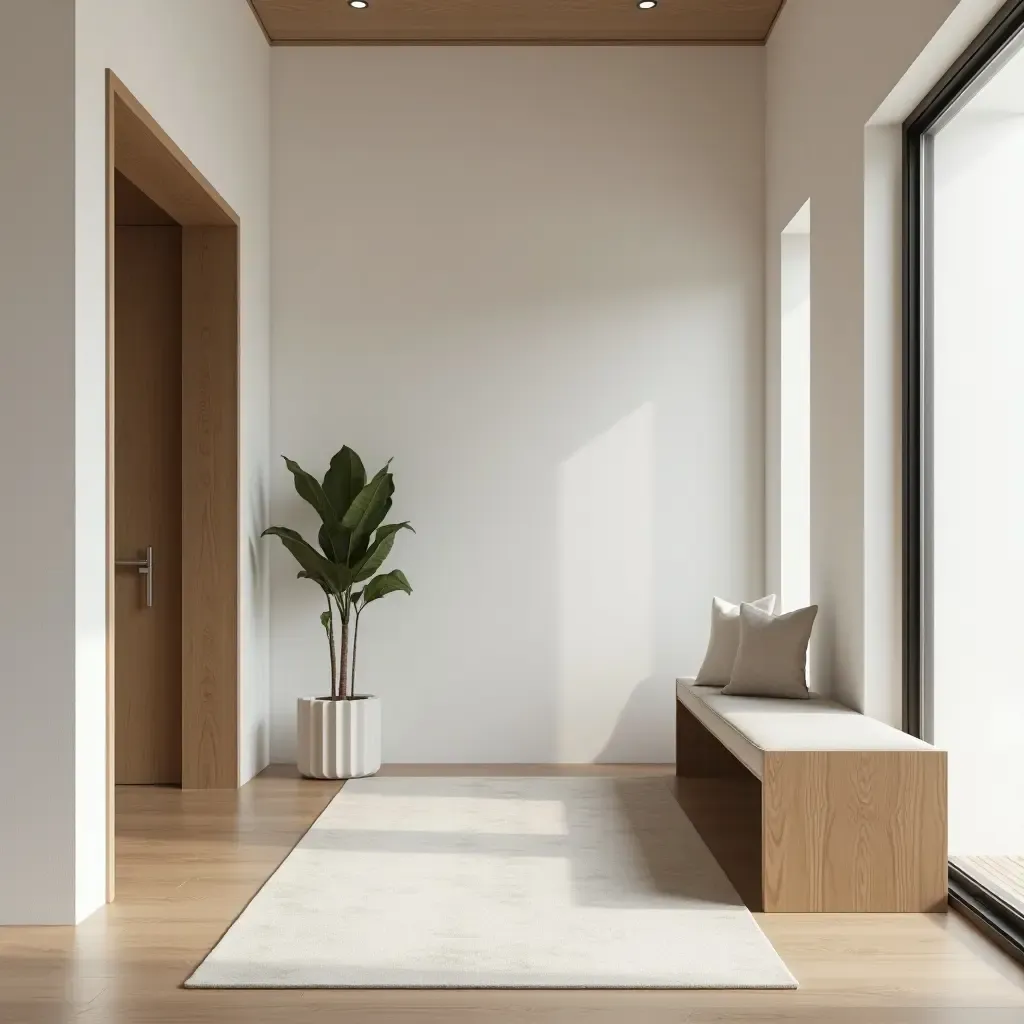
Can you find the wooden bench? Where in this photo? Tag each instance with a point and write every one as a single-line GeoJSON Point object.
{"type": "Point", "coordinates": [811, 807]}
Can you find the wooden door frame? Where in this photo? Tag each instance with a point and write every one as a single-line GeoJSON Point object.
{"type": "Point", "coordinates": [140, 149]}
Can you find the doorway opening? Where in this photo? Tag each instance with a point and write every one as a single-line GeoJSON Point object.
{"type": "Point", "coordinates": [147, 490]}
{"type": "Point", "coordinates": [172, 466]}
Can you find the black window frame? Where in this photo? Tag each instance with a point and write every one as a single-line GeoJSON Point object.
{"type": "Point", "coordinates": [975, 66]}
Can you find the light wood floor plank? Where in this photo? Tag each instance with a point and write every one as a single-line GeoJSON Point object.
{"type": "Point", "coordinates": [187, 863]}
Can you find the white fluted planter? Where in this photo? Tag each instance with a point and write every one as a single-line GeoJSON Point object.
{"type": "Point", "coordinates": [339, 739]}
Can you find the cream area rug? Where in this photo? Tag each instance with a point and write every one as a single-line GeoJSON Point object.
{"type": "Point", "coordinates": [497, 883]}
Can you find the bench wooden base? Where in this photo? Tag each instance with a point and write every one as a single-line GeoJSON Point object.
{"type": "Point", "coordinates": [824, 831]}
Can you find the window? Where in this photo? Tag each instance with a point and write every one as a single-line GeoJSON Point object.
{"type": "Point", "coordinates": [964, 458]}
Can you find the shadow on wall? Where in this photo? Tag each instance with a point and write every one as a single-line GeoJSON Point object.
{"type": "Point", "coordinates": [605, 580]}
{"type": "Point", "coordinates": [645, 729]}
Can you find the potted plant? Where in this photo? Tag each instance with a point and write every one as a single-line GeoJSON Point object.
{"type": "Point", "coordinates": [339, 735]}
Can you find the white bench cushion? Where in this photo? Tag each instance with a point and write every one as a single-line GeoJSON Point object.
{"type": "Point", "coordinates": [749, 726]}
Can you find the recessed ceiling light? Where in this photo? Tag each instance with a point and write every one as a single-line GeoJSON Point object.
{"type": "Point", "coordinates": [646, 5]}
{"type": "Point", "coordinates": [360, 4]}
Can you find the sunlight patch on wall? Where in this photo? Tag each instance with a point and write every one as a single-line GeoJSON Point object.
{"type": "Point", "coordinates": [795, 426]}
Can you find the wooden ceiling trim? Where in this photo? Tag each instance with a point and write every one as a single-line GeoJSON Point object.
{"type": "Point", "coordinates": [259, 21]}
{"type": "Point", "coordinates": [516, 22]}
{"type": "Point", "coordinates": [775, 20]}
{"type": "Point", "coordinates": [370, 43]}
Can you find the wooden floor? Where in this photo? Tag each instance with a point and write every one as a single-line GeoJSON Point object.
{"type": "Point", "coordinates": [1004, 875]}
{"type": "Point", "coordinates": [188, 862]}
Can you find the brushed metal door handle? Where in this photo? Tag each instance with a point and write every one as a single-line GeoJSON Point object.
{"type": "Point", "coordinates": [144, 567]}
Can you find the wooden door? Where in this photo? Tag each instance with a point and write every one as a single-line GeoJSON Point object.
{"type": "Point", "coordinates": [147, 504]}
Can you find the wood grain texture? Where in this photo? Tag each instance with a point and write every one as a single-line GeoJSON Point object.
{"type": "Point", "coordinates": [146, 155]}
{"type": "Point", "coordinates": [517, 21]}
{"type": "Point", "coordinates": [147, 444]}
{"type": "Point", "coordinates": [854, 832]}
{"type": "Point", "coordinates": [210, 698]}
{"type": "Point", "coordinates": [188, 862]}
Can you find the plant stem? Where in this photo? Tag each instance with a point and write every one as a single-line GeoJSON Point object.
{"type": "Point", "coordinates": [330, 641]}
{"type": "Point", "coordinates": [343, 668]}
{"type": "Point", "coordinates": [355, 648]}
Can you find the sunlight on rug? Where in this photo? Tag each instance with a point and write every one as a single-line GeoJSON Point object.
{"type": "Point", "coordinates": [497, 883]}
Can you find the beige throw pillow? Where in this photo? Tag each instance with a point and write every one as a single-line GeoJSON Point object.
{"type": "Point", "coordinates": [772, 656]}
{"type": "Point", "coordinates": [725, 640]}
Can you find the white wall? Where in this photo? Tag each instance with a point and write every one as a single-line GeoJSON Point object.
{"type": "Point", "coordinates": [978, 500]}
{"type": "Point", "coordinates": [823, 92]}
{"type": "Point", "coordinates": [37, 433]}
{"type": "Point", "coordinates": [534, 276]}
{"type": "Point", "coordinates": [202, 69]}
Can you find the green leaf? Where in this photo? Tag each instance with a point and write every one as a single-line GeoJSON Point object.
{"type": "Point", "coordinates": [308, 488]}
{"type": "Point", "coordinates": [383, 542]}
{"type": "Point", "coordinates": [368, 510]}
{"type": "Point", "coordinates": [374, 558]}
{"type": "Point", "coordinates": [360, 546]}
{"type": "Point", "coordinates": [381, 586]}
{"type": "Point", "coordinates": [337, 578]}
{"type": "Point", "coordinates": [344, 480]}
{"type": "Point", "coordinates": [286, 536]}
{"type": "Point", "coordinates": [326, 544]}
{"type": "Point", "coordinates": [325, 620]}
{"type": "Point", "coordinates": [334, 541]}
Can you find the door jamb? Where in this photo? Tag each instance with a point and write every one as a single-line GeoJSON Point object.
{"type": "Point", "coordinates": [138, 147]}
